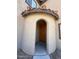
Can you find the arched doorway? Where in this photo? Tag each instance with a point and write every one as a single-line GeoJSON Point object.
{"type": "Point", "coordinates": [41, 38]}
{"type": "Point", "coordinates": [30, 33]}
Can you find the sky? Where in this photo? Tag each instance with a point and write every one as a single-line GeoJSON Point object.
{"type": "Point", "coordinates": [33, 4]}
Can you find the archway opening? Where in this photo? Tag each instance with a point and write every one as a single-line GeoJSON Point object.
{"type": "Point", "coordinates": [41, 38]}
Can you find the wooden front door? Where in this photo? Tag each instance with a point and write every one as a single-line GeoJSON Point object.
{"type": "Point", "coordinates": [41, 26]}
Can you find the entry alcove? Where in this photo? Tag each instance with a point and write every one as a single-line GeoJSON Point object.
{"type": "Point", "coordinates": [45, 21]}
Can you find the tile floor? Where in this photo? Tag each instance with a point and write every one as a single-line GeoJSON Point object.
{"type": "Point", "coordinates": [41, 52]}
{"type": "Point", "coordinates": [40, 49]}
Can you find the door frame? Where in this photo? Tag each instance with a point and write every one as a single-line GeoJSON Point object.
{"type": "Point", "coordinates": [46, 34]}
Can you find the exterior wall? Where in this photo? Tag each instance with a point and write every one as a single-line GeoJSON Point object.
{"type": "Point", "coordinates": [29, 37]}
{"type": "Point", "coordinates": [58, 44]}
{"type": "Point", "coordinates": [56, 6]}
{"type": "Point", "coordinates": [20, 25]}
{"type": "Point", "coordinates": [21, 6]}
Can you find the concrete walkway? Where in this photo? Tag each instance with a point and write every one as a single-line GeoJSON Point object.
{"type": "Point", "coordinates": [41, 57]}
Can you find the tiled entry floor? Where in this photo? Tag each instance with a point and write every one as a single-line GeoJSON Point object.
{"type": "Point", "coordinates": [41, 52]}
{"type": "Point", "coordinates": [40, 49]}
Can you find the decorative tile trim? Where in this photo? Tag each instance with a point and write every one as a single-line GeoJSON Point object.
{"type": "Point", "coordinates": [39, 10]}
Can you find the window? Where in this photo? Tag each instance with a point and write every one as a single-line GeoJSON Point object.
{"type": "Point", "coordinates": [59, 27]}
{"type": "Point", "coordinates": [31, 3]}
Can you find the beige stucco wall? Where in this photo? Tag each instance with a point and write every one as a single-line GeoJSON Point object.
{"type": "Point", "coordinates": [29, 36]}
{"type": "Point", "coordinates": [21, 6]}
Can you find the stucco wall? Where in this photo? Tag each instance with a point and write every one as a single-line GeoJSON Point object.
{"type": "Point", "coordinates": [21, 6]}
{"type": "Point", "coordinates": [29, 37]}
